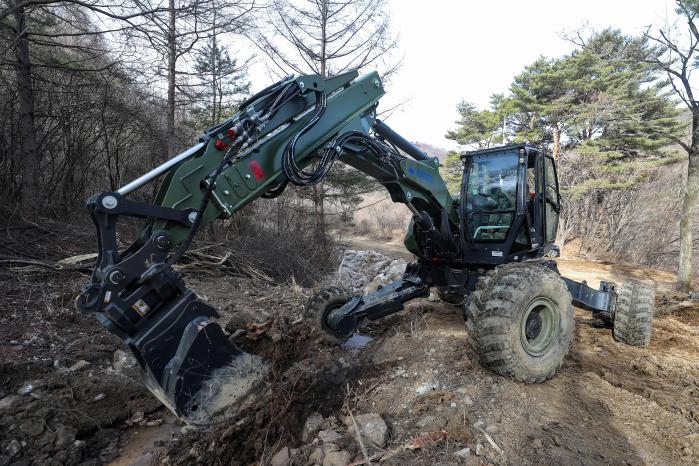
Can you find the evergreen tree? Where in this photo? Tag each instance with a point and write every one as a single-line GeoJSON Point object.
{"type": "Point", "coordinates": [480, 128]}
{"type": "Point", "coordinates": [221, 83]}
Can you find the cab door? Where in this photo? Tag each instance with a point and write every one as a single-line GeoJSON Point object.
{"type": "Point", "coordinates": [552, 200]}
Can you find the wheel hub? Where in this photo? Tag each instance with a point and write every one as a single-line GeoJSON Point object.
{"type": "Point", "coordinates": [533, 326]}
{"type": "Point", "coordinates": [540, 326]}
{"type": "Point", "coordinates": [340, 326]}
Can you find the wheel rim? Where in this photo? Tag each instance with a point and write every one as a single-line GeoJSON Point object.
{"type": "Point", "coordinates": [539, 326]}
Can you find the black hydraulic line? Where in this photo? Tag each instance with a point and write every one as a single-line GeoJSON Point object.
{"type": "Point", "coordinates": [383, 130]}
{"type": "Point", "coordinates": [264, 92]}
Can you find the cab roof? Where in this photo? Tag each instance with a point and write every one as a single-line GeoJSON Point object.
{"type": "Point", "coordinates": [492, 150]}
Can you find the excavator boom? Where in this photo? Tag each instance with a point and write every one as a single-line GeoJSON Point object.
{"type": "Point", "coordinates": [187, 360]}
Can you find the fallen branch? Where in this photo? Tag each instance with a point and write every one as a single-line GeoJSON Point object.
{"type": "Point", "coordinates": [491, 441]}
{"type": "Point", "coordinates": [56, 266]}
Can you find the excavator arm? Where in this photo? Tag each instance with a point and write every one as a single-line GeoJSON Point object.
{"type": "Point", "coordinates": [290, 133]}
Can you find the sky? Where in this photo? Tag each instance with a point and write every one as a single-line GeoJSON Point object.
{"type": "Point", "coordinates": [460, 49]}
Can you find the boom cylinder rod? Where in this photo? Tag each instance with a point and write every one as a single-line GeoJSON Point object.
{"type": "Point", "coordinates": [383, 130]}
{"type": "Point", "coordinates": [160, 169]}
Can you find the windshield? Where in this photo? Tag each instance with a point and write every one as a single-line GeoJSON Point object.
{"type": "Point", "coordinates": [491, 195]}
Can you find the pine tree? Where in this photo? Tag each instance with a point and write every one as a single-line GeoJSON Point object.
{"type": "Point", "coordinates": [479, 128]}
{"type": "Point", "coordinates": [221, 83]}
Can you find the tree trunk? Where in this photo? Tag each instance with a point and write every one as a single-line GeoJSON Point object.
{"type": "Point", "coordinates": [691, 192]}
{"type": "Point", "coordinates": [171, 69]}
{"type": "Point", "coordinates": [319, 189]}
{"type": "Point", "coordinates": [25, 91]}
{"type": "Point", "coordinates": [214, 74]}
{"type": "Point", "coordinates": [556, 141]}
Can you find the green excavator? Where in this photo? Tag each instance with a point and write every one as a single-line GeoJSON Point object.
{"type": "Point", "coordinates": [490, 248]}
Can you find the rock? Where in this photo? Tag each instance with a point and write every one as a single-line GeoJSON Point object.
{"type": "Point", "coordinates": [366, 271]}
{"type": "Point", "coordinates": [13, 447]}
{"type": "Point", "coordinates": [425, 421]}
{"type": "Point", "coordinates": [137, 417]}
{"type": "Point", "coordinates": [64, 435]}
{"type": "Point", "coordinates": [468, 401]}
{"type": "Point", "coordinates": [329, 436]}
{"type": "Point", "coordinates": [329, 447]}
{"type": "Point", "coordinates": [78, 366]}
{"type": "Point", "coordinates": [311, 427]}
{"type": "Point", "coordinates": [537, 443]}
{"type": "Point", "coordinates": [187, 429]}
{"type": "Point", "coordinates": [479, 449]}
{"type": "Point", "coordinates": [281, 458]}
{"type": "Point", "coordinates": [686, 451]}
{"type": "Point", "coordinates": [373, 428]}
{"type": "Point", "coordinates": [99, 397]}
{"type": "Point", "coordinates": [491, 428]}
{"type": "Point", "coordinates": [123, 361]}
{"type": "Point", "coordinates": [473, 461]}
{"type": "Point", "coordinates": [31, 386]}
{"type": "Point", "coordinates": [316, 456]}
{"type": "Point", "coordinates": [433, 298]}
{"type": "Point", "coordinates": [79, 444]}
{"type": "Point", "coordinates": [32, 427]}
{"type": "Point", "coordinates": [154, 423]}
{"type": "Point", "coordinates": [8, 401]}
{"type": "Point", "coordinates": [336, 458]}
{"type": "Point", "coordinates": [463, 453]}
{"type": "Point", "coordinates": [427, 387]}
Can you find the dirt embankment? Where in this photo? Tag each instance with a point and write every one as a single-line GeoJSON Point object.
{"type": "Point", "coordinates": [413, 379]}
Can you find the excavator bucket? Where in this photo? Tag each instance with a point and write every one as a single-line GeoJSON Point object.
{"type": "Point", "coordinates": [190, 365]}
{"type": "Point", "coordinates": [188, 362]}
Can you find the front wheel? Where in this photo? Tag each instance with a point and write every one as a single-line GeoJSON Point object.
{"type": "Point", "coordinates": [321, 306]}
{"type": "Point", "coordinates": [520, 321]}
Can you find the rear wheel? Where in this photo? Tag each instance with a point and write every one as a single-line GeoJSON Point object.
{"type": "Point", "coordinates": [520, 321]}
{"type": "Point", "coordinates": [322, 304]}
{"type": "Point", "coordinates": [633, 314]}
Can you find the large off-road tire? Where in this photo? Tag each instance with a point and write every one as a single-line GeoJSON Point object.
{"type": "Point", "coordinates": [633, 314]}
{"type": "Point", "coordinates": [520, 321]}
{"type": "Point", "coordinates": [449, 297]}
{"type": "Point", "coordinates": [322, 303]}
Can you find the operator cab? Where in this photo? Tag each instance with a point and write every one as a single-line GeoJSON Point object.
{"type": "Point", "coordinates": [510, 204]}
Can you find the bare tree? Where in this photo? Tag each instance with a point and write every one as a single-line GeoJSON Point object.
{"type": "Point", "coordinates": [174, 34]}
{"type": "Point", "coordinates": [39, 31]}
{"type": "Point", "coordinates": [327, 37]}
{"type": "Point", "coordinates": [677, 57]}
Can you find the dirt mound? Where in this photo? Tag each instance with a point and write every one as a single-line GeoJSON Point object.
{"type": "Point", "coordinates": [303, 381]}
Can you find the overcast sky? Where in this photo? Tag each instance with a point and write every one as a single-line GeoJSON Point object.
{"type": "Point", "coordinates": [455, 50]}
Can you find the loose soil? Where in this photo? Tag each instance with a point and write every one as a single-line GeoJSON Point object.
{"type": "Point", "coordinates": [609, 404]}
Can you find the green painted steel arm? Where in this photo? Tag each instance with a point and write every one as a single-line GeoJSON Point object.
{"type": "Point", "coordinates": [351, 105]}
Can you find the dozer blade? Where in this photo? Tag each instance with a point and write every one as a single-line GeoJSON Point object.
{"type": "Point", "coordinates": [190, 365]}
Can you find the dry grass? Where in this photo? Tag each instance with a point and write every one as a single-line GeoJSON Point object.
{"type": "Point", "coordinates": [384, 220]}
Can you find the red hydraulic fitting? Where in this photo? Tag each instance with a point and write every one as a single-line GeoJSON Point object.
{"type": "Point", "coordinates": [220, 144]}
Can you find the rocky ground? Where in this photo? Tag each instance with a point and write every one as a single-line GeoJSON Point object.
{"type": "Point", "coordinates": [405, 391]}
